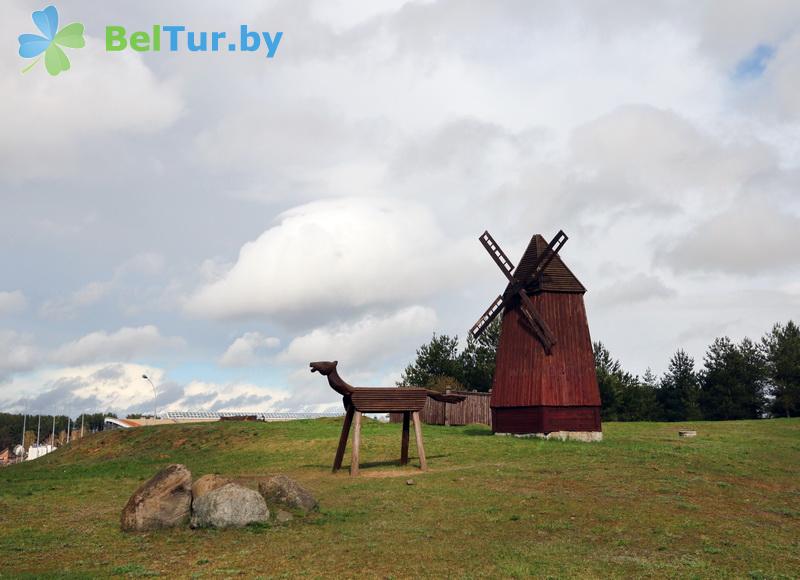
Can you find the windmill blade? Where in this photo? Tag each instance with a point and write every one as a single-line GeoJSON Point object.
{"type": "Point", "coordinates": [526, 264]}
{"type": "Point", "coordinates": [532, 266]}
{"type": "Point", "coordinates": [534, 328]}
{"type": "Point", "coordinates": [537, 323]}
{"type": "Point", "coordinates": [487, 317]}
{"type": "Point", "coordinates": [550, 252]}
{"type": "Point", "coordinates": [497, 255]}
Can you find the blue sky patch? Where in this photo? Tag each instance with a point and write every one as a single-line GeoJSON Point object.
{"type": "Point", "coordinates": [755, 63]}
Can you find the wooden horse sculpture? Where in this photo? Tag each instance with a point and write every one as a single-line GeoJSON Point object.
{"type": "Point", "coordinates": [358, 400]}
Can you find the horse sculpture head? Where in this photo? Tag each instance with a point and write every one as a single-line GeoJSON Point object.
{"type": "Point", "coordinates": [323, 367]}
{"type": "Point", "coordinates": [328, 369]}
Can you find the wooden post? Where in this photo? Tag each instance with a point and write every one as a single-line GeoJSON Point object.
{"type": "Point", "coordinates": [348, 419]}
{"type": "Point", "coordinates": [404, 444]}
{"type": "Point", "coordinates": [356, 444]}
{"type": "Point", "coordinates": [418, 432]}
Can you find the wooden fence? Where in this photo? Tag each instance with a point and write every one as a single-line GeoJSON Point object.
{"type": "Point", "coordinates": [474, 409]}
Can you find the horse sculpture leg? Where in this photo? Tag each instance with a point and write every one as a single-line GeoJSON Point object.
{"type": "Point", "coordinates": [356, 444]}
{"type": "Point", "coordinates": [420, 447]}
{"type": "Point", "coordinates": [404, 441]}
{"type": "Point", "coordinates": [348, 419]}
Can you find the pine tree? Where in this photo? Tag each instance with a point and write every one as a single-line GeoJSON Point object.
{"type": "Point", "coordinates": [608, 371]}
{"type": "Point", "coordinates": [643, 402]}
{"type": "Point", "coordinates": [781, 348]}
{"type": "Point", "coordinates": [732, 381]}
{"type": "Point", "coordinates": [678, 393]}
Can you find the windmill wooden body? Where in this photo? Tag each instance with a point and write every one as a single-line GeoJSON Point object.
{"type": "Point", "coordinates": [544, 378]}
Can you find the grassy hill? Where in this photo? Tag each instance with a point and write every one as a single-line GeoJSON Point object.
{"type": "Point", "coordinates": [641, 503]}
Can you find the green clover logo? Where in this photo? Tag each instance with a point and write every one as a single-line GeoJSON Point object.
{"type": "Point", "coordinates": [55, 60]}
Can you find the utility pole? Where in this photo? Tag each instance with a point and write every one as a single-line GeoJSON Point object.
{"type": "Point", "coordinates": [38, 431]}
{"type": "Point", "coordinates": [69, 426]}
{"type": "Point", "coordinates": [155, 396]}
{"type": "Point", "coordinates": [83, 416]}
{"type": "Point", "coordinates": [53, 436]}
{"type": "Point", "coordinates": [24, 420]}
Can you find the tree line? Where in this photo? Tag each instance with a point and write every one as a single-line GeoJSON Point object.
{"type": "Point", "coordinates": [11, 428]}
{"type": "Point", "coordinates": [744, 380]}
{"type": "Point", "coordinates": [737, 380]}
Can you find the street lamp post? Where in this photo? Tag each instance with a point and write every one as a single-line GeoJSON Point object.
{"type": "Point", "coordinates": [155, 396]}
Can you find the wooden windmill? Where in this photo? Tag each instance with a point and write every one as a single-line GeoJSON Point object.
{"type": "Point", "coordinates": [544, 378]}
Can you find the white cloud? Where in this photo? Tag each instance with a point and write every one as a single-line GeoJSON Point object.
{"type": "Point", "coordinates": [63, 308]}
{"type": "Point", "coordinates": [12, 302]}
{"type": "Point", "coordinates": [235, 396]}
{"type": "Point", "coordinates": [365, 342]}
{"type": "Point", "coordinates": [95, 387]}
{"type": "Point", "coordinates": [124, 344]}
{"type": "Point", "coordinates": [641, 155]}
{"type": "Point", "coordinates": [751, 237]}
{"type": "Point", "coordinates": [17, 353]}
{"type": "Point", "coordinates": [119, 387]}
{"type": "Point", "coordinates": [44, 118]}
{"type": "Point", "coordinates": [364, 349]}
{"type": "Point", "coordinates": [248, 350]}
{"type": "Point", "coordinates": [624, 123]}
{"type": "Point", "coordinates": [330, 255]}
{"type": "Point", "coordinates": [144, 264]}
{"type": "Point", "coordinates": [637, 288]}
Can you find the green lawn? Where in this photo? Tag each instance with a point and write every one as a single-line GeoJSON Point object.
{"type": "Point", "coordinates": [641, 503]}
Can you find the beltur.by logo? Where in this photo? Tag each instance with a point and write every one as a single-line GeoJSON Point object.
{"type": "Point", "coordinates": [177, 38]}
{"type": "Point", "coordinates": [49, 45]}
{"type": "Point", "coordinates": [51, 41]}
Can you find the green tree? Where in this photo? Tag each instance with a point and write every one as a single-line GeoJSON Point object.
{"type": "Point", "coordinates": [649, 379]}
{"type": "Point", "coordinates": [477, 360]}
{"type": "Point", "coordinates": [781, 347]}
{"type": "Point", "coordinates": [608, 371]}
{"type": "Point", "coordinates": [436, 359]}
{"type": "Point", "coordinates": [732, 383]}
{"type": "Point", "coordinates": [679, 391]}
{"type": "Point", "coordinates": [624, 397]}
{"type": "Point", "coordinates": [637, 399]}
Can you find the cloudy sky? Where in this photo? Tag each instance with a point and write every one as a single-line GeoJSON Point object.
{"type": "Point", "coordinates": [220, 219]}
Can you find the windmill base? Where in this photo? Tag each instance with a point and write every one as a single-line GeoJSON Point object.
{"type": "Point", "coordinates": [585, 436]}
{"type": "Point", "coordinates": [545, 420]}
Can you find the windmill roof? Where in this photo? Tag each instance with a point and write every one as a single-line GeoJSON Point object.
{"type": "Point", "coordinates": [556, 277]}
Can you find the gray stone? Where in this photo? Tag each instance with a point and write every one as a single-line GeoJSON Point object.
{"type": "Point", "coordinates": [284, 491]}
{"type": "Point", "coordinates": [208, 483]}
{"type": "Point", "coordinates": [228, 506]}
{"type": "Point", "coordinates": [283, 516]}
{"type": "Point", "coordinates": [687, 433]}
{"type": "Point", "coordinates": [164, 501]}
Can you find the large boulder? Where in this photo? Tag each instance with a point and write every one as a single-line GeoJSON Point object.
{"type": "Point", "coordinates": [284, 491]}
{"type": "Point", "coordinates": [231, 505]}
{"type": "Point", "coordinates": [208, 483]}
{"type": "Point", "coordinates": [163, 501]}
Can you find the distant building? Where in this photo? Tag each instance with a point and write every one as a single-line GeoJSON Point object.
{"type": "Point", "coordinates": [172, 417]}
{"type": "Point", "coordinates": [111, 423]}
{"type": "Point", "coordinates": [36, 451]}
